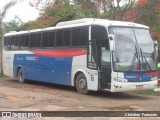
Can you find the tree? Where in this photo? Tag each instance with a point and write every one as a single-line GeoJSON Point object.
{"type": "Point", "coordinates": [54, 12]}
{"type": "Point", "coordinates": [88, 8]}
{"type": "Point", "coordinates": [3, 13]}
{"type": "Point", "coordinates": [149, 13]}
{"type": "Point", "coordinates": [63, 10]}
{"type": "Point", "coordinates": [116, 9]}
{"type": "Point", "coordinates": [14, 25]}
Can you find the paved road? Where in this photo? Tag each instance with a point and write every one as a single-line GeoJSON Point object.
{"type": "Point", "coordinates": [35, 96]}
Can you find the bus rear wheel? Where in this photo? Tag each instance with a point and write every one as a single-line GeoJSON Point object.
{"type": "Point", "coordinates": [21, 76]}
{"type": "Point", "coordinates": [81, 84]}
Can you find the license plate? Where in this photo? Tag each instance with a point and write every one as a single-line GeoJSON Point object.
{"type": "Point", "coordinates": [139, 86]}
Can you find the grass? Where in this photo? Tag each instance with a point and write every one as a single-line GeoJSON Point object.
{"type": "Point", "coordinates": [148, 92]}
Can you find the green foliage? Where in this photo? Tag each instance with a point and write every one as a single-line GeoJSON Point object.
{"type": "Point", "coordinates": [63, 10]}
{"type": "Point", "coordinates": [148, 92]}
{"type": "Point", "coordinates": [60, 10]}
{"type": "Point", "coordinates": [3, 13]}
{"type": "Point", "coordinates": [150, 14]}
{"type": "Point", "coordinates": [87, 7]}
{"type": "Point", "coordinates": [11, 26]}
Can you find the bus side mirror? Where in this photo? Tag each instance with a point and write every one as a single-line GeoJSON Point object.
{"type": "Point", "coordinates": [111, 37]}
{"type": "Point", "coordinates": [155, 43]}
{"type": "Point", "coordinates": [112, 43]}
{"type": "Point", "coordinates": [156, 47]}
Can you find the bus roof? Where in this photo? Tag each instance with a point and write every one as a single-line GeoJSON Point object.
{"type": "Point", "coordinates": [82, 22]}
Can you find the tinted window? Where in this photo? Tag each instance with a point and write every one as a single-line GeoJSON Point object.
{"type": "Point", "coordinates": [38, 40]}
{"type": "Point", "coordinates": [24, 41]}
{"type": "Point", "coordinates": [66, 40]}
{"type": "Point", "coordinates": [51, 39]}
{"type": "Point", "coordinates": [84, 36]}
{"type": "Point", "coordinates": [35, 40]}
{"type": "Point", "coordinates": [32, 40]}
{"type": "Point", "coordinates": [14, 42]}
{"type": "Point", "coordinates": [48, 39]}
{"type": "Point", "coordinates": [98, 33]}
{"type": "Point", "coordinates": [45, 39]}
{"type": "Point", "coordinates": [59, 38]}
{"type": "Point", "coordinates": [7, 42]}
{"type": "Point", "coordinates": [75, 37]}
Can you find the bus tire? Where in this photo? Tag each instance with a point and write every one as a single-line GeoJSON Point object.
{"type": "Point", "coordinates": [21, 76]}
{"type": "Point", "coordinates": [81, 84]}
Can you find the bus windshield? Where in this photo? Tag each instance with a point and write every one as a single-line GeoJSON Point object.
{"type": "Point", "coordinates": [134, 49]}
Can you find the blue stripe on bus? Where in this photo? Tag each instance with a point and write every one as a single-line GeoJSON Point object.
{"type": "Point", "coordinates": [139, 77]}
{"type": "Point", "coordinates": [44, 69]}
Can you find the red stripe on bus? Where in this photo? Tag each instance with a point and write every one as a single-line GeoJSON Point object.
{"type": "Point", "coordinates": [60, 53]}
{"type": "Point", "coordinates": [153, 74]}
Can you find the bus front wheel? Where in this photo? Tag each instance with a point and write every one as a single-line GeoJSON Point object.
{"type": "Point", "coordinates": [21, 76]}
{"type": "Point", "coordinates": [81, 84]}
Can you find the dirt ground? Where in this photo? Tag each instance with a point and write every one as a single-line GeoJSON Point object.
{"type": "Point", "coordinates": [36, 96]}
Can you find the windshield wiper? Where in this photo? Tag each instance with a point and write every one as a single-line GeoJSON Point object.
{"type": "Point", "coordinates": [140, 62]}
{"type": "Point", "coordinates": [145, 59]}
{"type": "Point", "coordinates": [134, 58]}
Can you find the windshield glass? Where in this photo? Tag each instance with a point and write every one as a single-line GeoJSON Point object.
{"type": "Point", "coordinates": [134, 50]}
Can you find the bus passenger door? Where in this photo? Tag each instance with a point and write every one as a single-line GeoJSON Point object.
{"type": "Point", "coordinates": [105, 67]}
{"type": "Point", "coordinates": [99, 34]}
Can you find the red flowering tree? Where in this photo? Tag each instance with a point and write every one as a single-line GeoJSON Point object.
{"type": "Point", "coordinates": [53, 12]}
{"type": "Point", "coordinates": [155, 36]}
{"type": "Point", "coordinates": [115, 9]}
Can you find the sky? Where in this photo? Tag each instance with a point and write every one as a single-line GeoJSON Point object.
{"type": "Point", "coordinates": [22, 9]}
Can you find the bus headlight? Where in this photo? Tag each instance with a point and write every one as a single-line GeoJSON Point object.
{"type": "Point", "coordinates": [120, 80]}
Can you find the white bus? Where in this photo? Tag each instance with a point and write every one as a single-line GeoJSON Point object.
{"type": "Point", "coordinates": [89, 54]}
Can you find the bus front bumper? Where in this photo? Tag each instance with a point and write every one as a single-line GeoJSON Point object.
{"type": "Point", "coordinates": [131, 86]}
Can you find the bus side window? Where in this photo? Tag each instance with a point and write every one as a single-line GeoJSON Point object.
{"type": "Point", "coordinates": [13, 42]}
{"type": "Point", "coordinates": [105, 57]}
{"type": "Point", "coordinates": [75, 37]}
{"type": "Point", "coordinates": [26, 45]}
{"type": "Point", "coordinates": [38, 40]}
{"type": "Point", "coordinates": [24, 41]}
{"type": "Point", "coordinates": [51, 39]}
{"type": "Point", "coordinates": [59, 38]}
{"type": "Point", "coordinates": [98, 33]}
{"type": "Point", "coordinates": [84, 37]}
{"type": "Point", "coordinates": [35, 40]}
{"type": "Point", "coordinates": [45, 40]}
{"type": "Point", "coordinates": [16, 43]}
{"type": "Point", "coordinates": [48, 39]}
{"type": "Point", "coordinates": [32, 40]}
{"type": "Point", "coordinates": [7, 43]}
{"type": "Point", "coordinates": [67, 35]}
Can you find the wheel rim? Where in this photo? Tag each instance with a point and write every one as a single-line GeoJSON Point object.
{"type": "Point", "coordinates": [82, 84]}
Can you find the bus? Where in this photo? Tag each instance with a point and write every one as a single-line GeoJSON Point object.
{"type": "Point", "coordinates": [89, 54]}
